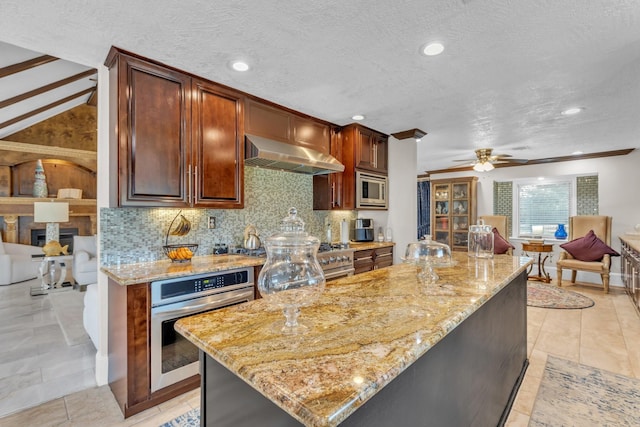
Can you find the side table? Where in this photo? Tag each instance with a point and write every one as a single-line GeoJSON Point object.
{"type": "Point", "coordinates": [47, 272]}
{"type": "Point", "coordinates": [544, 253]}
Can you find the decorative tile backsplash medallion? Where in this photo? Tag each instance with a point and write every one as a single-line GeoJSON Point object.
{"type": "Point", "coordinates": [137, 234]}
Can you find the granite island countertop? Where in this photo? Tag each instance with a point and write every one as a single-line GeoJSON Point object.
{"type": "Point", "coordinates": [129, 274]}
{"type": "Point", "coordinates": [363, 332]}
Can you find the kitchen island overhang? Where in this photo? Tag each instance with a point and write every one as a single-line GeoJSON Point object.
{"type": "Point", "coordinates": [382, 348]}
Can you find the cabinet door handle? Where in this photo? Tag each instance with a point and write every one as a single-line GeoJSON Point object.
{"type": "Point", "coordinates": [189, 184]}
{"type": "Point", "coordinates": [333, 194]}
{"type": "Point", "coordinates": [195, 180]}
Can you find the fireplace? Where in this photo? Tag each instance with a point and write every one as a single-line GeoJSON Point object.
{"type": "Point", "coordinates": [38, 237]}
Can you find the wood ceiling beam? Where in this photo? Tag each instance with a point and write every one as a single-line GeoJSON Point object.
{"type": "Point", "coordinates": [46, 88]}
{"type": "Point", "coordinates": [622, 152]}
{"type": "Point", "coordinates": [26, 65]}
{"type": "Point", "coordinates": [45, 108]}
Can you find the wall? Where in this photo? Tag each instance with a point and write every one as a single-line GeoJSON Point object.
{"type": "Point", "coordinates": [137, 234]}
{"type": "Point", "coordinates": [617, 178]}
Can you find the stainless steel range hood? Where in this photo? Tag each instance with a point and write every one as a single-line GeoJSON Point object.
{"type": "Point", "coordinates": [267, 153]}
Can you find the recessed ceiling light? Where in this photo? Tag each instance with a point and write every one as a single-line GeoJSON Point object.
{"type": "Point", "coordinates": [571, 111]}
{"type": "Point", "coordinates": [240, 66]}
{"type": "Point", "coordinates": [576, 153]}
{"type": "Point", "coordinates": [541, 178]}
{"type": "Point", "coordinates": [358, 117]}
{"type": "Point", "coordinates": [433, 49]}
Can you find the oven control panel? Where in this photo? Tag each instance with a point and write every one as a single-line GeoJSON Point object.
{"type": "Point", "coordinates": [169, 290]}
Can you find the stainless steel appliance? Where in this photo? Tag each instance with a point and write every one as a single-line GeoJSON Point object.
{"type": "Point", "coordinates": [336, 260]}
{"type": "Point", "coordinates": [173, 358]}
{"type": "Point", "coordinates": [371, 191]}
{"type": "Point", "coordinates": [336, 263]}
{"type": "Point", "coordinates": [362, 230]}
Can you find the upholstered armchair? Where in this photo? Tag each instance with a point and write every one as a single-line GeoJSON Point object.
{"type": "Point", "coordinates": [16, 264]}
{"type": "Point", "coordinates": [580, 226]}
{"type": "Point", "coordinates": [499, 222]}
{"type": "Point", "coordinates": [85, 261]}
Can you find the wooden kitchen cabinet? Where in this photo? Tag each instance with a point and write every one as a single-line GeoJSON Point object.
{"type": "Point", "coordinates": [280, 124]}
{"type": "Point", "coordinates": [179, 137]}
{"type": "Point", "coordinates": [217, 149]}
{"type": "Point", "coordinates": [630, 266]}
{"type": "Point", "coordinates": [453, 210]}
{"type": "Point", "coordinates": [371, 259]}
{"type": "Point", "coordinates": [328, 188]}
{"type": "Point", "coordinates": [355, 152]}
{"type": "Point", "coordinates": [370, 148]}
{"type": "Point", "coordinates": [130, 349]}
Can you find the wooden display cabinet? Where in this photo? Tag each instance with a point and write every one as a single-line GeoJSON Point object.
{"type": "Point", "coordinates": [453, 210]}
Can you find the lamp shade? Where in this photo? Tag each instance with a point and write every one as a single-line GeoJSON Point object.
{"type": "Point", "coordinates": [51, 212]}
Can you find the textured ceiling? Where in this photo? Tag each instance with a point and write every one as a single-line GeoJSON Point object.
{"type": "Point", "coordinates": [508, 69]}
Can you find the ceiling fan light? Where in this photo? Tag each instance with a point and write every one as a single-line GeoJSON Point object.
{"type": "Point", "coordinates": [483, 167]}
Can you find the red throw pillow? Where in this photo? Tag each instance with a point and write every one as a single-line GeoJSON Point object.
{"type": "Point", "coordinates": [500, 244]}
{"type": "Point", "coordinates": [588, 248]}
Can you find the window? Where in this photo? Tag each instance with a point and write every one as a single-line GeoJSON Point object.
{"type": "Point", "coordinates": [540, 205]}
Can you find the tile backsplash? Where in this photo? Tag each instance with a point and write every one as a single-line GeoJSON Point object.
{"type": "Point", "coordinates": [137, 234]}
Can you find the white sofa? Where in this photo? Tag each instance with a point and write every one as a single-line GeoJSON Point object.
{"type": "Point", "coordinates": [85, 261]}
{"type": "Point", "coordinates": [16, 264]}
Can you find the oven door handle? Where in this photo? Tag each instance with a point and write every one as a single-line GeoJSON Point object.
{"type": "Point", "coordinates": [182, 310]}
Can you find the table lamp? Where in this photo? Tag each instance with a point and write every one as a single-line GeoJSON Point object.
{"type": "Point", "coordinates": [52, 213]}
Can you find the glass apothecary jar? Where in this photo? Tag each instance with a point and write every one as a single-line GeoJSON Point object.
{"type": "Point", "coordinates": [291, 277]}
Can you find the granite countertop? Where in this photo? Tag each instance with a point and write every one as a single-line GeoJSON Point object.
{"type": "Point", "coordinates": [359, 246]}
{"type": "Point", "coordinates": [363, 332]}
{"type": "Point", "coordinates": [632, 240]}
{"type": "Point", "coordinates": [130, 274]}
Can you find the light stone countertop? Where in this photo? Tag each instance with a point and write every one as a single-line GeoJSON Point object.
{"type": "Point", "coordinates": [363, 332]}
{"type": "Point", "coordinates": [632, 240]}
{"type": "Point", "coordinates": [359, 246]}
{"type": "Point", "coordinates": [130, 274]}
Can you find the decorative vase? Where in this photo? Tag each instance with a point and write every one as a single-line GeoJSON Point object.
{"type": "Point", "coordinates": [40, 183]}
{"type": "Point", "coordinates": [560, 233]}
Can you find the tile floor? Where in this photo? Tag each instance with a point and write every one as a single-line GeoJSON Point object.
{"type": "Point", "coordinates": [36, 364]}
{"type": "Point", "coordinates": [604, 336]}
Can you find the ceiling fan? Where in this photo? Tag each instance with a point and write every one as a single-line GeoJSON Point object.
{"type": "Point", "coordinates": [484, 160]}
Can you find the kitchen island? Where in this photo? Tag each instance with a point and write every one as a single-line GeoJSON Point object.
{"type": "Point", "coordinates": [382, 349]}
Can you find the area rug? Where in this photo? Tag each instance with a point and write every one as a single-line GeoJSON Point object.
{"type": "Point", "coordinates": [188, 419]}
{"type": "Point", "coordinates": [551, 296]}
{"type": "Point", "coordinates": [572, 394]}
{"type": "Point", "coordinates": [67, 306]}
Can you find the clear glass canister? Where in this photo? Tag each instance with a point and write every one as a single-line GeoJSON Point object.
{"type": "Point", "coordinates": [480, 240]}
{"type": "Point", "coordinates": [291, 277]}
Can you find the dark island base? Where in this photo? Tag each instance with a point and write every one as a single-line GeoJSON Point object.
{"type": "Point", "coordinates": [469, 378]}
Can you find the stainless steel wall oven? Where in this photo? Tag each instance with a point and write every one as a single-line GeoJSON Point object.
{"type": "Point", "coordinates": [173, 358]}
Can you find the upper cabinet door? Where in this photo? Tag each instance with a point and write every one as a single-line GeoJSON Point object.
{"type": "Point", "coordinates": [217, 146]}
{"type": "Point", "coordinates": [371, 150]}
{"type": "Point", "coordinates": [154, 136]}
{"type": "Point", "coordinates": [267, 121]}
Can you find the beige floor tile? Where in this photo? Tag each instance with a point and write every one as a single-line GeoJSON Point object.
{"type": "Point", "coordinates": [517, 419]}
{"type": "Point", "coordinates": [559, 345]}
{"type": "Point", "coordinates": [608, 360]}
{"type": "Point", "coordinates": [526, 395]}
{"type": "Point", "coordinates": [537, 362]}
{"type": "Point", "coordinates": [164, 416]}
{"type": "Point", "coordinates": [52, 413]}
{"type": "Point", "coordinates": [595, 339]}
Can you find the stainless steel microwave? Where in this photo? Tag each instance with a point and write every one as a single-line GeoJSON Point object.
{"type": "Point", "coordinates": [371, 191]}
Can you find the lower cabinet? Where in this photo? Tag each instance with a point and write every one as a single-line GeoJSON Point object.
{"type": "Point", "coordinates": [130, 349]}
{"type": "Point", "coordinates": [631, 271]}
{"type": "Point", "coordinates": [371, 259]}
